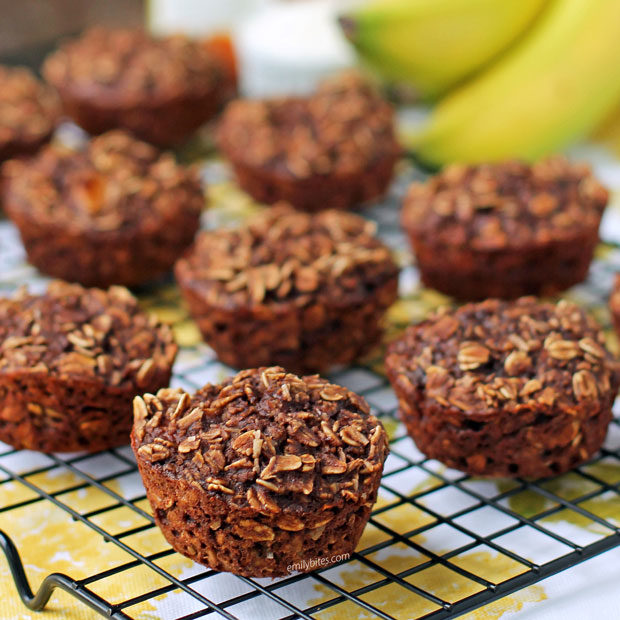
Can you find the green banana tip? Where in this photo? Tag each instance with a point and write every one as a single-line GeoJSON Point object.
{"type": "Point", "coordinates": [424, 165]}
{"type": "Point", "coordinates": [348, 25]}
{"type": "Point", "coordinates": [410, 141]}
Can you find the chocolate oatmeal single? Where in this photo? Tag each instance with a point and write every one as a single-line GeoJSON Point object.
{"type": "Point", "coordinates": [519, 388]}
{"type": "Point", "coordinates": [29, 111]}
{"type": "Point", "coordinates": [260, 472]}
{"type": "Point", "coordinates": [335, 149]}
{"type": "Point", "coordinates": [302, 291]}
{"type": "Point", "coordinates": [71, 361]}
{"type": "Point", "coordinates": [505, 230]}
{"type": "Point", "coordinates": [118, 211]}
{"type": "Point", "coordinates": [161, 90]}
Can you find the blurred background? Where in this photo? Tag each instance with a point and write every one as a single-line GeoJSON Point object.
{"type": "Point", "coordinates": [517, 78]}
{"type": "Point", "coordinates": [303, 33]}
{"type": "Point", "coordinates": [30, 28]}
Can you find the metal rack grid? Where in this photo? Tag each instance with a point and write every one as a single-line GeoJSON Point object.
{"type": "Point", "coordinates": [444, 526]}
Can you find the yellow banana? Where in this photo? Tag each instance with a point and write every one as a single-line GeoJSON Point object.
{"type": "Point", "coordinates": [435, 44]}
{"type": "Point", "coordinates": [608, 132]}
{"type": "Point", "coordinates": [551, 89]}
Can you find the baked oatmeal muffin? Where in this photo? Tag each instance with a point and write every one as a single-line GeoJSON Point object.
{"type": "Point", "coordinates": [116, 212]}
{"type": "Point", "coordinates": [161, 90]}
{"type": "Point", "coordinates": [335, 149]}
{"type": "Point", "coordinates": [497, 388]}
{"type": "Point", "coordinates": [260, 473]}
{"type": "Point", "coordinates": [302, 291]}
{"type": "Point", "coordinates": [29, 111]}
{"type": "Point", "coordinates": [505, 230]}
{"type": "Point", "coordinates": [71, 361]}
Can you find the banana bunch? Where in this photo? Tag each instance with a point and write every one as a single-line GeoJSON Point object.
{"type": "Point", "coordinates": [518, 78]}
{"type": "Point", "coordinates": [435, 44]}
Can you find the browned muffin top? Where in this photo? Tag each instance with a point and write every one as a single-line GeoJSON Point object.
{"type": "Point", "coordinates": [508, 355]}
{"type": "Point", "coordinates": [342, 129]}
{"type": "Point", "coordinates": [509, 204]}
{"type": "Point", "coordinates": [265, 438]}
{"type": "Point", "coordinates": [131, 66]}
{"type": "Point", "coordinates": [282, 255]}
{"type": "Point", "coordinates": [115, 182]}
{"type": "Point", "coordinates": [84, 334]}
{"type": "Point", "coordinates": [28, 109]}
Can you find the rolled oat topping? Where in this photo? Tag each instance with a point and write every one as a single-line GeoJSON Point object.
{"type": "Point", "coordinates": [85, 334]}
{"type": "Point", "coordinates": [266, 439]}
{"type": "Point", "coordinates": [28, 109]}
{"type": "Point", "coordinates": [132, 64]}
{"type": "Point", "coordinates": [342, 129]}
{"type": "Point", "coordinates": [506, 356]}
{"type": "Point", "coordinates": [503, 205]}
{"type": "Point", "coordinates": [282, 254]}
{"type": "Point", "coordinates": [115, 182]}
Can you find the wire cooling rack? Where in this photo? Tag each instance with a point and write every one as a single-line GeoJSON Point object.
{"type": "Point", "coordinates": [439, 543]}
